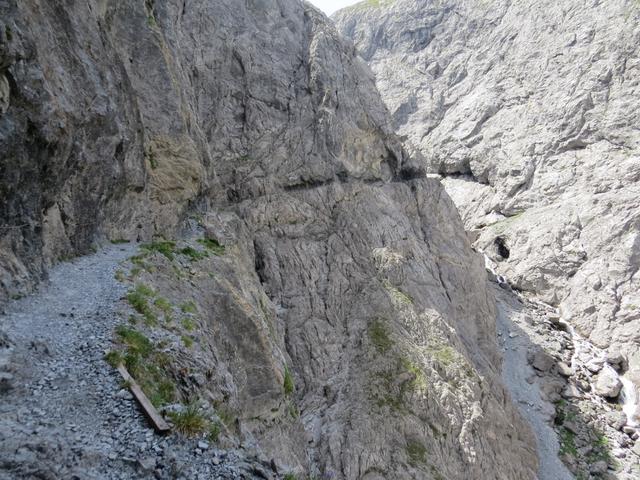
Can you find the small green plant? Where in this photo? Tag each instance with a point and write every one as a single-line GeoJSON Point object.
{"type": "Point", "coordinates": [193, 254]}
{"type": "Point", "coordinates": [567, 442]}
{"type": "Point", "coordinates": [444, 355]}
{"type": "Point", "coordinates": [120, 276]}
{"type": "Point", "coordinates": [212, 245]}
{"type": "Point", "coordinates": [166, 248]}
{"type": "Point", "coordinates": [126, 384]}
{"type": "Point", "coordinates": [289, 476]}
{"type": "Point", "coordinates": [187, 340]}
{"type": "Point", "coordinates": [293, 411]}
{"type": "Point", "coordinates": [189, 307]}
{"type": "Point", "coordinates": [419, 380]}
{"type": "Point", "coordinates": [188, 324]}
{"type": "Point", "coordinates": [288, 384]}
{"type": "Point", "coordinates": [151, 21]}
{"type": "Point", "coordinates": [214, 432]}
{"type": "Point", "coordinates": [165, 306]}
{"type": "Point", "coordinates": [134, 340]}
{"type": "Point", "coordinates": [416, 452]}
{"type": "Point", "coordinates": [379, 336]}
{"type": "Point", "coordinates": [147, 365]}
{"type": "Point", "coordinates": [398, 296]}
{"type": "Point", "coordinates": [138, 298]}
{"type": "Point", "coordinates": [114, 358]}
{"type": "Point", "coordinates": [119, 241]}
{"type": "Point", "coordinates": [190, 421]}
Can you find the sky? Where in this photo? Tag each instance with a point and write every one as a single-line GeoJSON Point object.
{"type": "Point", "coordinates": [330, 6]}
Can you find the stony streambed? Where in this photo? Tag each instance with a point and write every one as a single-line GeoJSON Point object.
{"type": "Point", "coordinates": [581, 407]}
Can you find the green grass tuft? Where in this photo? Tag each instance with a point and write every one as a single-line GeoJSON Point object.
{"type": "Point", "coordinates": [379, 336]}
{"type": "Point", "coordinates": [165, 307]}
{"type": "Point", "coordinates": [166, 248]}
{"type": "Point", "coordinates": [138, 298]}
{"type": "Point", "coordinates": [114, 358]}
{"type": "Point", "coordinates": [134, 340]}
{"type": "Point", "coordinates": [416, 452]}
{"type": "Point", "coordinates": [567, 442]}
{"type": "Point", "coordinates": [193, 254]}
{"type": "Point", "coordinates": [189, 307]}
{"type": "Point", "coordinates": [288, 384]}
{"type": "Point", "coordinates": [190, 421]}
{"type": "Point", "coordinates": [212, 245]}
{"type": "Point", "coordinates": [188, 324]}
{"type": "Point", "coordinates": [214, 432]}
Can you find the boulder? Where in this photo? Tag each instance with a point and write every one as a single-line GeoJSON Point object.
{"type": "Point", "coordinates": [608, 384]}
{"type": "Point", "coordinates": [564, 369]}
{"type": "Point", "coordinates": [616, 420]}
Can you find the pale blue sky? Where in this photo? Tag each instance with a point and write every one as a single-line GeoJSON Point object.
{"type": "Point", "coordinates": [330, 6]}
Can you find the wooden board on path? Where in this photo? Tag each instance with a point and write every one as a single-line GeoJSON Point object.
{"type": "Point", "coordinates": [149, 410]}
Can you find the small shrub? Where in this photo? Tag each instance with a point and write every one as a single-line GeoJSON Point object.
{"type": "Point", "coordinates": [288, 384]}
{"type": "Point", "coordinates": [145, 364]}
{"type": "Point", "coordinates": [119, 241]}
{"type": "Point", "coordinates": [189, 307]}
{"type": "Point", "coordinates": [188, 341]}
{"type": "Point", "coordinates": [379, 336]}
{"type": "Point", "coordinates": [445, 355]}
{"type": "Point", "coordinates": [212, 245]}
{"type": "Point", "coordinates": [419, 381]}
{"type": "Point", "coordinates": [126, 384]}
{"type": "Point", "coordinates": [114, 358]}
{"type": "Point", "coordinates": [165, 306]}
{"type": "Point", "coordinates": [134, 340]}
{"type": "Point", "coordinates": [416, 452]}
{"type": "Point", "coordinates": [398, 296]}
{"type": "Point", "coordinates": [214, 432]}
{"type": "Point", "coordinates": [567, 442]}
{"type": "Point", "coordinates": [194, 254]}
{"type": "Point", "coordinates": [189, 422]}
{"type": "Point", "coordinates": [166, 248]}
{"type": "Point", "coordinates": [293, 411]}
{"type": "Point", "coordinates": [188, 324]}
{"type": "Point", "coordinates": [138, 299]}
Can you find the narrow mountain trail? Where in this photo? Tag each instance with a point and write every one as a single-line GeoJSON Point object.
{"type": "Point", "coordinates": [65, 414]}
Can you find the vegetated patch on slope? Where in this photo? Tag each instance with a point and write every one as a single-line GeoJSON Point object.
{"type": "Point", "coordinates": [581, 444]}
{"type": "Point", "coordinates": [160, 330]}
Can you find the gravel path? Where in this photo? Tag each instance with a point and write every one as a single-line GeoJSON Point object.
{"type": "Point", "coordinates": [515, 371]}
{"type": "Point", "coordinates": [66, 416]}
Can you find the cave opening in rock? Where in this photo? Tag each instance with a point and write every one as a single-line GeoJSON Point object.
{"type": "Point", "coordinates": [501, 247]}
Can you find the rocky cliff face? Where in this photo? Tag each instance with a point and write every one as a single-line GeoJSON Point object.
{"type": "Point", "coordinates": [347, 275]}
{"type": "Point", "coordinates": [526, 109]}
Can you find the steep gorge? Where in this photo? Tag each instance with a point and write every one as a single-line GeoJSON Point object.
{"type": "Point", "coordinates": [348, 325]}
{"type": "Point", "coordinates": [526, 111]}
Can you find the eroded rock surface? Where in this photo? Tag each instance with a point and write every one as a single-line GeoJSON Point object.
{"type": "Point", "coordinates": [347, 329]}
{"type": "Point", "coordinates": [526, 109]}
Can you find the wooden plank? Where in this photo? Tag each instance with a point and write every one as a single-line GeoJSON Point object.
{"type": "Point", "coordinates": [149, 410]}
